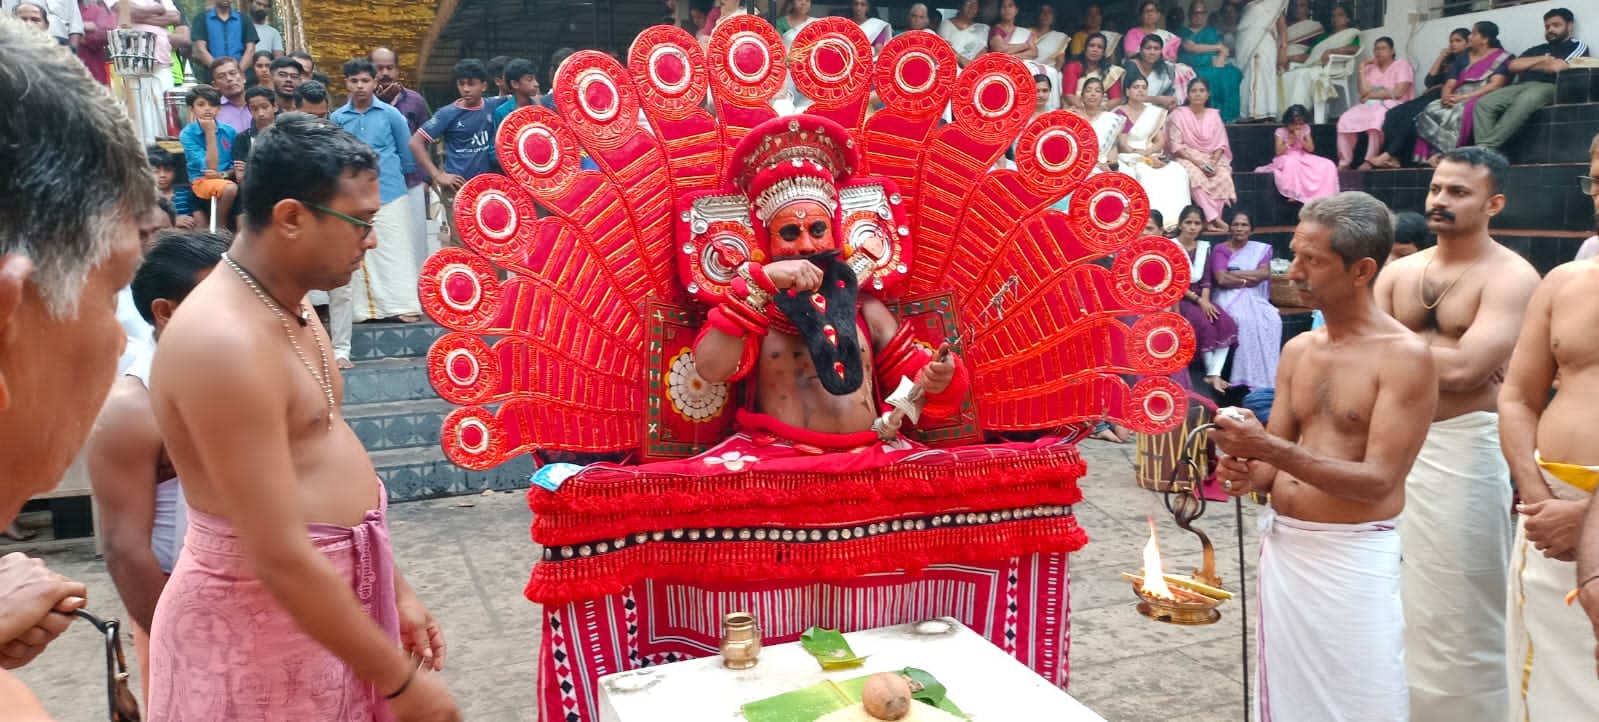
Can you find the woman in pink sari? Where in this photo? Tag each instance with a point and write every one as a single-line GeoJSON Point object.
{"type": "Point", "coordinates": [1300, 174]}
{"type": "Point", "coordinates": [1196, 137]}
{"type": "Point", "coordinates": [1150, 16]}
{"type": "Point", "coordinates": [1385, 81]}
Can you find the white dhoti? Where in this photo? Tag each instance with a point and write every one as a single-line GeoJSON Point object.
{"type": "Point", "coordinates": [1456, 562]}
{"type": "Point", "coordinates": [426, 243]}
{"type": "Point", "coordinates": [385, 285]}
{"type": "Point", "coordinates": [1330, 637]}
{"type": "Point", "coordinates": [1551, 645]}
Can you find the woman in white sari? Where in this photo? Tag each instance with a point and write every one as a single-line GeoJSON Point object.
{"type": "Point", "coordinates": [1299, 33]}
{"type": "Point", "coordinates": [796, 15]}
{"type": "Point", "coordinates": [1142, 153]}
{"type": "Point", "coordinates": [1262, 34]}
{"type": "Point", "coordinates": [1107, 125]}
{"type": "Point", "coordinates": [1307, 83]}
{"type": "Point", "coordinates": [877, 29]}
{"type": "Point", "coordinates": [968, 37]}
{"type": "Point", "coordinates": [1021, 43]}
{"type": "Point", "coordinates": [1051, 43]}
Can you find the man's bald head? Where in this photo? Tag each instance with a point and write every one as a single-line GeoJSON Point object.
{"type": "Point", "coordinates": [387, 64]}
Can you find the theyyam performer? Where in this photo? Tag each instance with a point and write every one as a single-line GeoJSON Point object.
{"type": "Point", "coordinates": [795, 343]}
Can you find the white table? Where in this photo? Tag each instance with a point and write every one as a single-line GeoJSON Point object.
{"type": "Point", "coordinates": [982, 680]}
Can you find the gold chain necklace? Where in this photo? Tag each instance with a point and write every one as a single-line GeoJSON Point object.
{"type": "Point", "coordinates": [1421, 284]}
{"type": "Point", "coordinates": [325, 379]}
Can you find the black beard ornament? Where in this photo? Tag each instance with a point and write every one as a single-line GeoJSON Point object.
{"type": "Point", "coordinates": [826, 320]}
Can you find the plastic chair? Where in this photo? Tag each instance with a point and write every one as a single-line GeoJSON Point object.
{"type": "Point", "coordinates": [1340, 70]}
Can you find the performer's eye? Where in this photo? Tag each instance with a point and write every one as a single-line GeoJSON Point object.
{"type": "Point", "coordinates": [789, 232]}
{"type": "Point", "coordinates": [819, 229]}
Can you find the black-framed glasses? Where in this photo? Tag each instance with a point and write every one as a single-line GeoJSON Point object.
{"type": "Point", "coordinates": [791, 231]}
{"type": "Point", "coordinates": [364, 226]}
{"type": "Point", "coordinates": [1588, 186]}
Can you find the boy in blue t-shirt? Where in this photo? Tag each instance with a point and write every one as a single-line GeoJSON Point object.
{"type": "Point", "coordinates": [208, 150]}
{"type": "Point", "coordinates": [467, 129]}
{"type": "Point", "coordinates": [166, 167]}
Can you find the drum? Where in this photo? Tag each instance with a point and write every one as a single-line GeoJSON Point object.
{"type": "Point", "coordinates": [176, 111]}
{"type": "Point", "coordinates": [132, 52]}
{"type": "Point", "coordinates": [1160, 457]}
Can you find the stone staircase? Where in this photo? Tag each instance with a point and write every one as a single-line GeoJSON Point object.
{"type": "Point", "coordinates": [397, 415]}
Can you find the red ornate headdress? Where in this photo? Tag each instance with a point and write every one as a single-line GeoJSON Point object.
{"type": "Point", "coordinates": [791, 159]}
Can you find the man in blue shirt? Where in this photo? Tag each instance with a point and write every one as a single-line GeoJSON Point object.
{"type": "Point", "coordinates": [385, 286]}
{"type": "Point", "coordinates": [220, 33]}
{"type": "Point", "coordinates": [467, 129]}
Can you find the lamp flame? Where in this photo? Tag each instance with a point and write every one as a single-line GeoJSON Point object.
{"type": "Point", "coordinates": [1154, 579]}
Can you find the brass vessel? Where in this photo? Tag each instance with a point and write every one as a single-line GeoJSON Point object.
{"type": "Point", "coordinates": [741, 640]}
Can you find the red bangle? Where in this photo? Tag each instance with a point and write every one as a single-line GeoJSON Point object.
{"type": "Point", "coordinates": [745, 317]}
{"type": "Point", "coordinates": [758, 274]}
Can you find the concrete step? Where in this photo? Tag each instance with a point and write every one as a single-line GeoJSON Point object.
{"type": "Point", "coordinates": [386, 339]}
{"type": "Point", "coordinates": [399, 424]}
{"type": "Point", "coordinates": [423, 473]}
{"type": "Point", "coordinates": [387, 379]}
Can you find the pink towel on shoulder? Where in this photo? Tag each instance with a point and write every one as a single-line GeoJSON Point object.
{"type": "Point", "coordinates": [223, 649]}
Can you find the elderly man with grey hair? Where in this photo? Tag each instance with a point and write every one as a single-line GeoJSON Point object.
{"type": "Point", "coordinates": [917, 18]}
{"type": "Point", "coordinates": [1352, 403]}
{"type": "Point", "coordinates": [75, 182]}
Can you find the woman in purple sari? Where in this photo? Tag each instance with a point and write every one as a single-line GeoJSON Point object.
{"type": "Point", "coordinates": [1241, 273]}
{"type": "Point", "coordinates": [1485, 67]}
{"type": "Point", "coordinates": [1214, 331]}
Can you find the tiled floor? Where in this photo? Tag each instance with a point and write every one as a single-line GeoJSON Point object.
{"type": "Point", "coordinates": [468, 558]}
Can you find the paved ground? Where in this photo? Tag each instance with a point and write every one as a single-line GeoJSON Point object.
{"type": "Point", "coordinates": [468, 558]}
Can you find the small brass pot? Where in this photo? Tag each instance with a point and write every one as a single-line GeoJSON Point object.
{"type": "Point", "coordinates": [741, 640]}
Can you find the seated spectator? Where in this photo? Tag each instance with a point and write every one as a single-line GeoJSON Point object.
{"type": "Point", "coordinates": [796, 15]}
{"type": "Point", "coordinates": [1502, 112]}
{"type": "Point", "coordinates": [1411, 235]}
{"type": "Point", "coordinates": [166, 166]}
{"type": "Point", "coordinates": [1197, 139]}
{"type": "Point", "coordinates": [287, 74]}
{"type": "Point", "coordinates": [228, 79]}
{"type": "Point", "coordinates": [1107, 126]}
{"type": "Point", "coordinates": [1215, 332]}
{"type": "Point", "coordinates": [208, 150]}
{"type": "Point", "coordinates": [1241, 287]}
{"type": "Point", "coordinates": [263, 112]}
{"type": "Point", "coordinates": [1385, 82]}
{"type": "Point", "coordinates": [1204, 51]}
{"type": "Point", "coordinates": [1165, 82]}
{"type": "Point", "coordinates": [1051, 43]}
{"type": "Point", "coordinates": [33, 15]}
{"type": "Point", "coordinates": [1399, 123]}
{"type": "Point", "coordinates": [1143, 151]}
{"type": "Point", "coordinates": [1307, 83]}
{"type": "Point", "coordinates": [1300, 174]}
{"type": "Point", "coordinates": [1446, 124]}
{"type": "Point", "coordinates": [877, 29]}
{"type": "Point", "coordinates": [1093, 64]}
{"type": "Point", "coordinates": [1302, 32]}
{"type": "Point", "coordinates": [307, 63]}
{"type": "Point", "coordinates": [916, 18]}
{"type": "Point", "coordinates": [968, 37]}
{"type": "Point", "coordinates": [1151, 19]}
{"type": "Point", "coordinates": [1094, 23]}
{"type": "Point", "coordinates": [1019, 42]}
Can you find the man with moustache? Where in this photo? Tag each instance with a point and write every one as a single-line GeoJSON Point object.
{"type": "Point", "coordinates": [1556, 468]}
{"type": "Point", "coordinates": [1588, 546]}
{"type": "Point", "coordinates": [286, 76]}
{"type": "Point", "coordinates": [414, 107]}
{"type": "Point", "coordinates": [1345, 428]}
{"type": "Point", "coordinates": [75, 184]}
{"type": "Point", "coordinates": [1466, 296]}
{"type": "Point", "coordinates": [228, 78]}
{"type": "Point", "coordinates": [268, 39]}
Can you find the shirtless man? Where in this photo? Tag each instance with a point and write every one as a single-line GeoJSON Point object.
{"type": "Point", "coordinates": [141, 508]}
{"type": "Point", "coordinates": [1548, 444]}
{"type": "Point", "coordinates": [285, 603]}
{"type": "Point", "coordinates": [1344, 430]}
{"type": "Point", "coordinates": [74, 184]}
{"type": "Point", "coordinates": [1466, 296]}
{"type": "Point", "coordinates": [1588, 546]}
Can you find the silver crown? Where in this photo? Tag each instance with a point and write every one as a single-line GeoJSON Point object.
{"type": "Point", "coordinates": [798, 188]}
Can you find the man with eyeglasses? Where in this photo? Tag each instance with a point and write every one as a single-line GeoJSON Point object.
{"type": "Point", "coordinates": [287, 567]}
{"type": "Point", "coordinates": [1546, 441]}
{"type": "Point", "coordinates": [286, 76]}
{"type": "Point", "coordinates": [1589, 185]}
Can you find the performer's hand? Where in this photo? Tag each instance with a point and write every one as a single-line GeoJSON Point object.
{"type": "Point", "coordinates": [936, 376]}
{"type": "Point", "coordinates": [1234, 475]}
{"type": "Point", "coordinates": [800, 275]}
{"type": "Point", "coordinates": [36, 605]}
{"type": "Point", "coordinates": [425, 699]}
{"type": "Point", "coordinates": [1241, 435]}
{"type": "Point", "coordinates": [420, 634]}
{"type": "Point", "coordinates": [1554, 526]}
